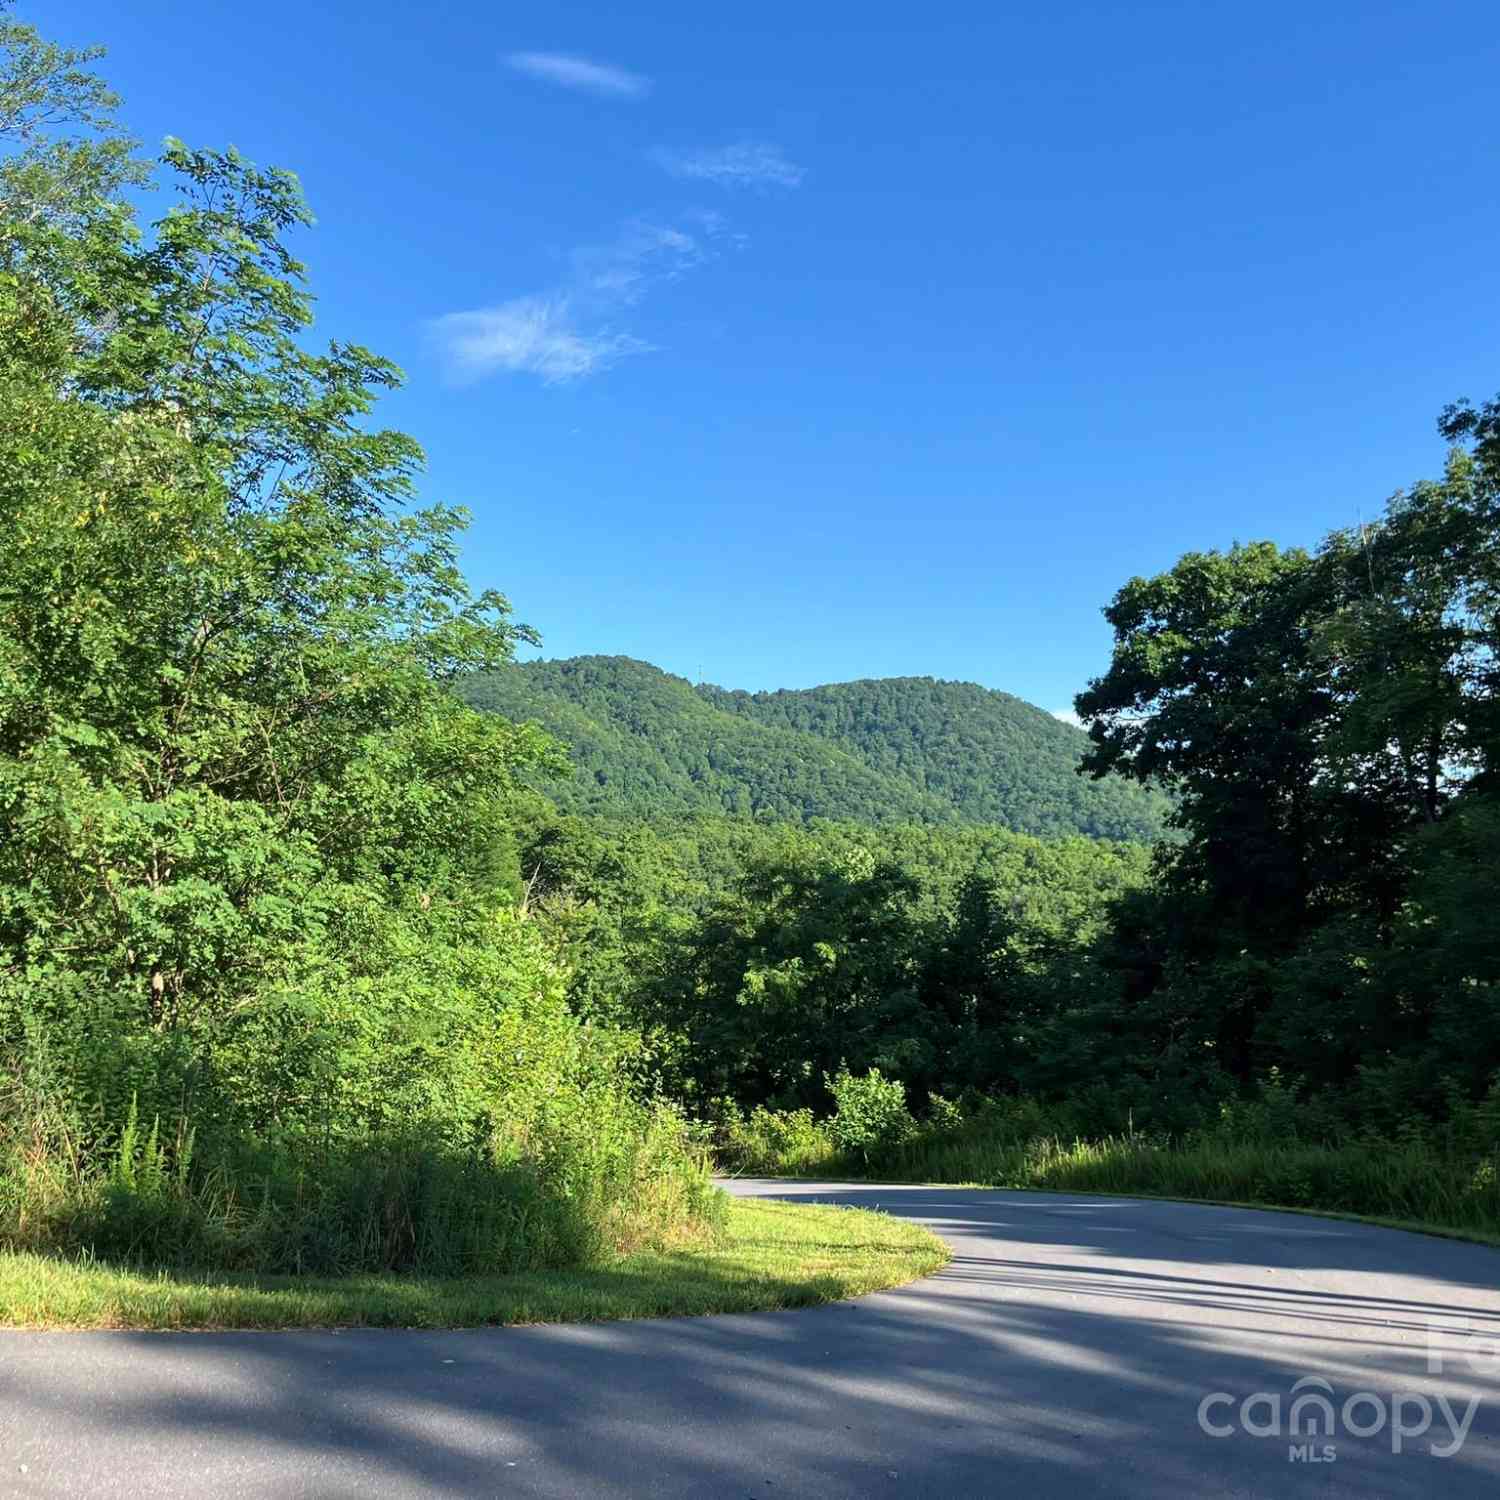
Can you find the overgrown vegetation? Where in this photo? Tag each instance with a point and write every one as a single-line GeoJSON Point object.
{"type": "Point", "coordinates": [1274, 1151]}
{"type": "Point", "coordinates": [308, 967]}
{"type": "Point", "coordinates": [265, 996]}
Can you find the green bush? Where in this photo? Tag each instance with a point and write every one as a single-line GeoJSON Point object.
{"type": "Point", "coordinates": [943, 1114]}
{"type": "Point", "coordinates": [612, 1178]}
{"type": "Point", "coordinates": [1255, 1155]}
{"type": "Point", "coordinates": [870, 1114]}
{"type": "Point", "coordinates": [444, 1116]}
{"type": "Point", "coordinates": [1263, 1151]}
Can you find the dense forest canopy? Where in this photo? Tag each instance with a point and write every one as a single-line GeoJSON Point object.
{"type": "Point", "coordinates": [899, 750]}
{"type": "Point", "coordinates": [1325, 916]}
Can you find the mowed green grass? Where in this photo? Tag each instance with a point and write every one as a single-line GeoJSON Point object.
{"type": "Point", "coordinates": [767, 1255]}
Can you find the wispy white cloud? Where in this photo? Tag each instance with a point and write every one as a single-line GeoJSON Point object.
{"type": "Point", "coordinates": [531, 336]}
{"type": "Point", "coordinates": [746, 164]}
{"type": "Point", "coordinates": [569, 332]}
{"type": "Point", "coordinates": [643, 253]}
{"type": "Point", "coordinates": [580, 73]}
{"type": "Point", "coordinates": [1067, 716]}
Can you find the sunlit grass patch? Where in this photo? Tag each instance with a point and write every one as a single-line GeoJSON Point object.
{"type": "Point", "coordinates": [767, 1255]}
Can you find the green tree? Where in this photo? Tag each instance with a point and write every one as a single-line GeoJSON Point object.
{"type": "Point", "coordinates": [51, 172]}
{"type": "Point", "coordinates": [257, 874]}
{"type": "Point", "coordinates": [1320, 717]}
{"type": "Point", "coordinates": [805, 964]}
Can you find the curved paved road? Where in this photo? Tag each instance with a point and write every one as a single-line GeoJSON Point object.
{"type": "Point", "coordinates": [1064, 1352]}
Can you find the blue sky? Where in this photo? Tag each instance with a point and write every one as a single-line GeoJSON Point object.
{"type": "Point", "coordinates": [798, 343]}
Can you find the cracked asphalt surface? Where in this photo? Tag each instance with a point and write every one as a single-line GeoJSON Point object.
{"type": "Point", "coordinates": [1065, 1352]}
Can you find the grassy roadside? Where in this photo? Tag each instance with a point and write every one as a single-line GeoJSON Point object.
{"type": "Point", "coordinates": [1381, 1221]}
{"type": "Point", "coordinates": [769, 1255]}
{"type": "Point", "coordinates": [1411, 1185]}
{"type": "Point", "coordinates": [1402, 1186]}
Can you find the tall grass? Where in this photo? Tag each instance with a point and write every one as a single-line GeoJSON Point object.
{"type": "Point", "coordinates": [1269, 1151]}
{"type": "Point", "coordinates": [574, 1192]}
{"type": "Point", "coordinates": [776, 1142]}
{"type": "Point", "coordinates": [1412, 1181]}
{"type": "Point", "coordinates": [767, 1255]}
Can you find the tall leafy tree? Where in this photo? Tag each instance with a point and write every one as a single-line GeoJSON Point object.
{"type": "Point", "coordinates": [226, 738]}
{"type": "Point", "coordinates": [1319, 716]}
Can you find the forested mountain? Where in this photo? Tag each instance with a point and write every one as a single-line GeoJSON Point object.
{"type": "Point", "coordinates": [902, 750]}
{"type": "Point", "coordinates": [989, 756]}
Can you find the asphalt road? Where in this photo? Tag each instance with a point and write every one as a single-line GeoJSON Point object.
{"type": "Point", "coordinates": [1066, 1351]}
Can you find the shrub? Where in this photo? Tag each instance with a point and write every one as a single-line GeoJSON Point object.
{"type": "Point", "coordinates": [870, 1113]}
{"type": "Point", "coordinates": [431, 1105]}
{"type": "Point", "coordinates": [768, 1140]}
{"type": "Point", "coordinates": [943, 1114]}
{"type": "Point", "coordinates": [615, 1176]}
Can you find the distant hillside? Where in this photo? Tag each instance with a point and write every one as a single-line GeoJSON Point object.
{"type": "Point", "coordinates": [989, 756]}
{"type": "Point", "coordinates": [898, 750]}
{"type": "Point", "coordinates": [647, 744]}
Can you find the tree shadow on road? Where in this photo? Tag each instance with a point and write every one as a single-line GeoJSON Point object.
{"type": "Point", "coordinates": [1063, 1352]}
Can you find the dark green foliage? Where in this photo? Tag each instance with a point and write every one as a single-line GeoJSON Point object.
{"type": "Point", "coordinates": [646, 744]}
{"type": "Point", "coordinates": [907, 750]}
{"type": "Point", "coordinates": [1328, 722]}
{"type": "Point", "coordinates": [761, 958]}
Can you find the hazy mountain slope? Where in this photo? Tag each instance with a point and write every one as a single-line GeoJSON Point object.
{"type": "Point", "coordinates": [899, 750]}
